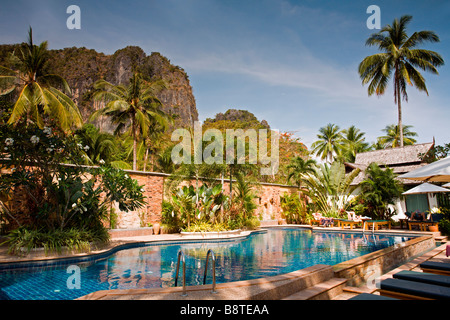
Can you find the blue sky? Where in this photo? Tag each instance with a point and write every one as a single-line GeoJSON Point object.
{"type": "Point", "coordinates": [292, 63]}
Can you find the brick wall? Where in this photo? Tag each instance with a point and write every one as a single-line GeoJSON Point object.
{"type": "Point", "coordinates": [268, 200]}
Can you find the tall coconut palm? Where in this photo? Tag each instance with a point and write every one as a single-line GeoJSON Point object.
{"type": "Point", "coordinates": [36, 94]}
{"type": "Point", "coordinates": [134, 106]}
{"type": "Point", "coordinates": [401, 58]}
{"type": "Point", "coordinates": [393, 136]}
{"type": "Point", "coordinates": [329, 142]}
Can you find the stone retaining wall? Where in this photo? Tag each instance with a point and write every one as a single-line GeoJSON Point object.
{"type": "Point", "coordinates": [268, 201]}
{"type": "Point", "coordinates": [367, 268]}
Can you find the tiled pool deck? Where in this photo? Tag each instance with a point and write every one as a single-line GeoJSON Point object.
{"type": "Point", "coordinates": [265, 288]}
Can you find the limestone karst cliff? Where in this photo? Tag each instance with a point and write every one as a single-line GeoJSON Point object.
{"type": "Point", "coordinates": [81, 67]}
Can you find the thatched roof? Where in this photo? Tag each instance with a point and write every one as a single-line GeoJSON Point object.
{"type": "Point", "coordinates": [401, 160]}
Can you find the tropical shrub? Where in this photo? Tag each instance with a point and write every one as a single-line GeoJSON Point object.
{"type": "Point", "coordinates": [194, 205]}
{"type": "Point", "coordinates": [444, 224]}
{"type": "Point", "coordinates": [169, 219]}
{"type": "Point", "coordinates": [22, 240]}
{"type": "Point", "coordinates": [43, 189]}
{"type": "Point", "coordinates": [202, 226]}
{"type": "Point", "coordinates": [378, 190]}
{"type": "Point", "coordinates": [330, 189]}
{"type": "Point", "coordinates": [294, 209]}
{"type": "Point", "coordinates": [244, 196]}
{"type": "Point", "coordinates": [252, 223]}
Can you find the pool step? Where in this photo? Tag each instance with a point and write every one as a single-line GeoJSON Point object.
{"type": "Point", "coordinates": [325, 290]}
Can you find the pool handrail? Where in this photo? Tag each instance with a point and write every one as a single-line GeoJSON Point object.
{"type": "Point", "coordinates": [213, 258]}
{"type": "Point", "coordinates": [183, 260]}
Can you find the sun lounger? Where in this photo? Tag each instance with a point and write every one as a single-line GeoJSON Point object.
{"type": "Point", "coordinates": [423, 223]}
{"type": "Point", "coordinates": [345, 222]}
{"type": "Point", "coordinates": [424, 277]}
{"type": "Point", "coordinates": [404, 289]}
{"type": "Point", "coordinates": [436, 267]}
{"type": "Point", "coordinates": [370, 296]}
{"type": "Point", "coordinates": [369, 224]}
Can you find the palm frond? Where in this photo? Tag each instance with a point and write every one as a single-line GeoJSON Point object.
{"type": "Point", "coordinates": [22, 105]}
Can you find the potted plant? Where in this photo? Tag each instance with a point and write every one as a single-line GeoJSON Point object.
{"type": "Point", "coordinates": [156, 227]}
{"type": "Point", "coordinates": [435, 216]}
{"type": "Point", "coordinates": [433, 228]}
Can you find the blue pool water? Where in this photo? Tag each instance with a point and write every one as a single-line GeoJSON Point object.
{"type": "Point", "coordinates": [270, 253]}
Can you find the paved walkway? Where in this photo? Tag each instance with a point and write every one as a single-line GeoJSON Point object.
{"type": "Point", "coordinates": [437, 254]}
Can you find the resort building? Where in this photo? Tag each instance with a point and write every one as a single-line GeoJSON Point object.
{"type": "Point", "coordinates": [400, 160]}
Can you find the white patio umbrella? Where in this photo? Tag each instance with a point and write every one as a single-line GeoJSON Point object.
{"type": "Point", "coordinates": [447, 185]}
{"type": "Point", "coordinates": [438, 171]}
{"type": "Point", "coordinates": [426, 188]}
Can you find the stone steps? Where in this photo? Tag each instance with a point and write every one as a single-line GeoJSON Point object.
{"type": "Point", "coordinates": [326, 290]}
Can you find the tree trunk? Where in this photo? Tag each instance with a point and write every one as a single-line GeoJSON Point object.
{"type": "Point", "coordinates": [399, 106]}
{"type": "Point", "coordinates": [231, 184]}
{"type": "Point", "coordinates": [133, 129]}
{"type": "Point", "coordinates": [400, 124]}
{"type": "Point", "coordinates": [221, 207]}
{"type": "Point", "coordinates": [145, 159]}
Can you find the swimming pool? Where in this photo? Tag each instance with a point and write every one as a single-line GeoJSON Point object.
{"type": "Point", "coordinates": [272, 252]}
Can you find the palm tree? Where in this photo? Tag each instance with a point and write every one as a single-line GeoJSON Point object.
{"type": "Point", "coordinates": [400, 57]}
{"type": "Point", "coordinates": [393, 136]}
{"type": "Point", "coordinates": [244, 196]}
{"type": "Point", "coordinates": [299, 167]}
{"type": "Point", "coordinates": [353, 142]}
{"type": "Point", "coordinates": [99, 147]}
{"type": "Point", "coordinates": [134, 106]}
{"type": "Point", "coordinates": [36, 95]}
{"type": "Point", "coordinates": [329, 142]}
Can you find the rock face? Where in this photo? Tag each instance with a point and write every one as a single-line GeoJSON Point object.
{"type": "Point", "coordinates": [81, 67]}
{"type": "Point", "coordinates": [241, 118]}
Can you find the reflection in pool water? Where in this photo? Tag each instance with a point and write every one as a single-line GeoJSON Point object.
{"type": "Point", "coordinates": [270, 253]}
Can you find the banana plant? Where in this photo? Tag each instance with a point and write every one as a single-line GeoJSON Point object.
{"type": "Point", "coordinates": [202, 204]}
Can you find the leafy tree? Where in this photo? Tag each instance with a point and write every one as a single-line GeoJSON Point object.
{"type": "Point", "coordinates": [134, 106]}
{"type": "Point", "coordinates": [399, 57]}
{"type": "Point", "coordinates": [329, 142]}
{"type": "Point", "coordinates": [436, 153]}
{"type": "Point", "coordinates": [393, 139]}
{"type": "Point", "coordinates": [45, 192]}
{"type": "Point", "coordinates": [37, 94]}
{"type": "Point", "coordinates": [99, 147]}
{"type": "Point", "coordinates": [164, 161]}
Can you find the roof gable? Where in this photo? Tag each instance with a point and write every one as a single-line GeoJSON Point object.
{"type": "Point", "coordinates": [394, 156]}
